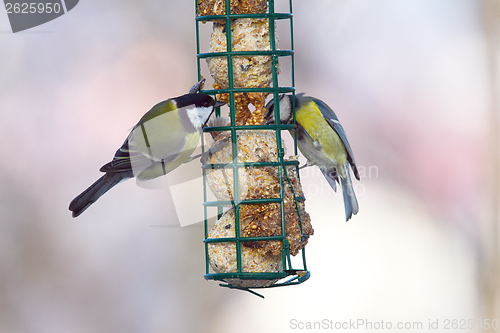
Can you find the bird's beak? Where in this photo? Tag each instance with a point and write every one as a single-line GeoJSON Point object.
{"type": "Point", "coordinates": [219, 104]}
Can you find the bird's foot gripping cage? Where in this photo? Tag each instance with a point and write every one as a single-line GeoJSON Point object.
{"type": "Point", "coordinates": [261, 223]}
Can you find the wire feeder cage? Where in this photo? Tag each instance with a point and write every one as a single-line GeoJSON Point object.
{"type": "Point", "coordinates": [261, 218]}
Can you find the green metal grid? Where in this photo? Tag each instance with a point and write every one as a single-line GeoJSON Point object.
{"type": "Point", "coordinates": [288, 271]}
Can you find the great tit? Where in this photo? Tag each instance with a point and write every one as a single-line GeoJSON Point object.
{"type": "Point", "coordinates": [164, 138]}
{"type": "Point", "coordinates": [322, 141]}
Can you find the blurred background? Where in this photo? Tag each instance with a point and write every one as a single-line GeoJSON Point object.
{"type": "Point", "coordinates": [415, 84]}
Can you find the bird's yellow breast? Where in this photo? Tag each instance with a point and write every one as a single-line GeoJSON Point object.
{"type": "Point", "coordinates": [331, 150]}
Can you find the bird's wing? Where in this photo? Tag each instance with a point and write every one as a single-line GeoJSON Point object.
{"type": "Point", "coordinates": [124, 160]}
{"type": "Point", "coordinates": [334, 123]}
{"type": "Point", "coordinates": [159, 136]}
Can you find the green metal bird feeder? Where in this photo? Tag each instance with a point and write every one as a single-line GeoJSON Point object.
{"type": "Point", "coordinates": [261, 225]}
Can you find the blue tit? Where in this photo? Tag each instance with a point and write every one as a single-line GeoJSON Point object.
{"type": "Point", "coordinates": [163, 139]}
{"type": "Point", "coordinates": [322, 141]}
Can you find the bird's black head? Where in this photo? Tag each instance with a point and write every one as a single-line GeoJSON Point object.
{"type": "Point", "coordinates": [285, 106]}
{"type": "Point", "coordinates": [204, 105]}
{"type": "Point", "coordinates": [196, 100]}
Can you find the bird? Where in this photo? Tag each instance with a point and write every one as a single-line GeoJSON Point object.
{"type": "Point", "coordinates": [162, 140]}
{"type": "Point", "coordinates": [322, 140]}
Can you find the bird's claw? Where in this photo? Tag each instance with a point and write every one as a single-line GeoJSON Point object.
{"type": "Point", "coordinates": [197, 87]}
{"type": "Point", "coordinates": [211, 151]}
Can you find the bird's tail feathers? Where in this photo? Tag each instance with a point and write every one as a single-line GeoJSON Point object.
{"type": "Point", "coordinates": [350, 202]}
{"type": "Point", "coordinates": [331, 177]}
{"type": "Point", "coordinates": [96, 190]}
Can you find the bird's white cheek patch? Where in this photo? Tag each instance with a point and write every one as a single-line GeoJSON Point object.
{"type": "Point", "coordinates": [196, 115]}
